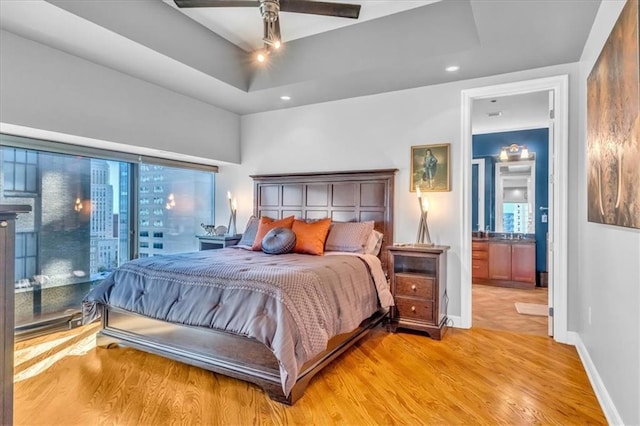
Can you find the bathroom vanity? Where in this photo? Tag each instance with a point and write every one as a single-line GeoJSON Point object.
{"type": "Point", "coordinates": [504, 262]}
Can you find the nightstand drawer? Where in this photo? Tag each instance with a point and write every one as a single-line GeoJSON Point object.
{"type": "Point", "coordinates": [414, 309]}
{"type": "Point", "coordinates": [414, 285]}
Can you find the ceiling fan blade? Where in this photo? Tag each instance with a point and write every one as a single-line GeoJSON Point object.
{"type": "Point", "coordinates": [342, 10]}
{"type": "Point", "coordinates": [217, 3]}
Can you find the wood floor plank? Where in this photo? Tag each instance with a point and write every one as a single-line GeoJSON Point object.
{"type": "Point", "coordinates": [470, 377]}
{"type": "Point", "coordinates": [494, 309]}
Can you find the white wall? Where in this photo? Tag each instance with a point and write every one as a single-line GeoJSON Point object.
{"type": "Point", "coordinates": [47, 89]}
{"type": "Point", "coordinates": [368, 133]}
{"type": "Point", "coordinates": [608, 268]}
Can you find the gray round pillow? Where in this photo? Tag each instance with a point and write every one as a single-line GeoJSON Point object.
{"type": "Point", "coordinates": [279, 241]}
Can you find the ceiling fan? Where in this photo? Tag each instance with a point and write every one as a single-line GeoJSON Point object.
{"type": "Point", "coordinates": [269, 10]}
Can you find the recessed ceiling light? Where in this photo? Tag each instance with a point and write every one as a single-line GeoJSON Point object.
{"type": "Point", "coordinates": [452, 68]}
{"type": "Point", "coordinates": [285, 98]}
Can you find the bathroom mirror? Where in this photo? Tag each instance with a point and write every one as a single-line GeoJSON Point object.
{"type": "Point", "coordinates": [515, 189]}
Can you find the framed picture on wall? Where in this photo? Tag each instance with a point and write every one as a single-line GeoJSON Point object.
{"type": "Point", "coordinates": [430, 167]}
{"type": "Point", "coordinates": [613, 126]}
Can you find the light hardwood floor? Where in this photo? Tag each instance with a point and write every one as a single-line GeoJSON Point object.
{"type": "Point", "coordinates": [494, 308]}
{"type": "Point", "coordinates": [470, 377]}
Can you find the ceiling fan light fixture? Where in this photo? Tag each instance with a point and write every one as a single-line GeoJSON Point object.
{"type": "Point", "coordinates": [271, 36]}
{"type": "Point", "coordinates": [270, 10]}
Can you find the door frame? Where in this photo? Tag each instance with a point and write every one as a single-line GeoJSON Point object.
{"type": "Point", "coordinates": [558, 181]}
{"type": "Point", "coordinates": [481, 201]}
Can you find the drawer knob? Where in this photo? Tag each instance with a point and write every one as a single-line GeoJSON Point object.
{"type": "Point", "coordinates": [413, 287]}
{"type": "Point", "coordinates": [413, 309]}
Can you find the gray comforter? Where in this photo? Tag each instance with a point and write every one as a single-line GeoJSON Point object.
{"type": "Point", "coordinates": [292, 303]}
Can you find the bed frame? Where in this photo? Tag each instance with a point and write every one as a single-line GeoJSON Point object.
{"type": "Point", "coordinates": [343, 196]}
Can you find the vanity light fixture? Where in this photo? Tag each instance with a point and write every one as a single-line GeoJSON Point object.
{"type": "Point", "coordinates": [508, 152]}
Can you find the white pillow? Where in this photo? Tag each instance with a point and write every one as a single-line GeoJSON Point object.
{"type": "Point", "coordinates": [374, 243]}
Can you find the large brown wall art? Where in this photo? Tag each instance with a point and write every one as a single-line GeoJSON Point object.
{"type": "Point", "coordinates": [613, 126]}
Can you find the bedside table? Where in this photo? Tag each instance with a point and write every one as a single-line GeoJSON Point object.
{"type": "Point", "coordinates": [418, 284]}
{"type": "Point", "coordinates": [212, 242]}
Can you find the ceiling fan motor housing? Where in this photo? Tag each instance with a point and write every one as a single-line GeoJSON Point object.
{"type": "Point", "coordinates": [269, 10]}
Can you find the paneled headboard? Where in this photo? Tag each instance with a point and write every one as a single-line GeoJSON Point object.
{"type": "Point", "coordinates": [343, 196]}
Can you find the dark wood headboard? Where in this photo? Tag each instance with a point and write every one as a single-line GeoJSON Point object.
{"type": "Point", "coordinates": [343, 196]}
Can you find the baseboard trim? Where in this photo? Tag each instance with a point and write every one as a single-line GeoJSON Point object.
{"type": "Point", "coordinates": [608, 407]}
{"type": "Point", "coordinates": [455, 321]}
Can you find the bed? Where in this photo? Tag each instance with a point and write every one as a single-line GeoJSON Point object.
{"type": "Point", "coordinates": [242, 348]}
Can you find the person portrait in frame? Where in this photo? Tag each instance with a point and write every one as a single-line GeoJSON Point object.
{"type": "Point", "coordinates": [430, 167]}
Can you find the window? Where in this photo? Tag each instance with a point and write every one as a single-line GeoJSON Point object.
{"type": "Point", "coordinates": [83, 223]}
{"type": "Point", "coordinates": [20, 168]}
{"type": "Point", "coordinates": [26, 257]}
{"type": "Point", "coordinates": [188, 202]}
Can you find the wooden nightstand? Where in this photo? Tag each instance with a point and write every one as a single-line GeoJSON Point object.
{"type": "Point", "coordinates": [212, 242]}
{"type": "Point", "coordinates": [419, 285]}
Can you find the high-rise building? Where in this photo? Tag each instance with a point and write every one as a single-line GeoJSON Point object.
{"type": "Point", "coordinates": [171, 201]}
{"type": "Point", "coordinates": [104, 247]}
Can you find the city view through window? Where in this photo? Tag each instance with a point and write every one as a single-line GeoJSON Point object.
{"type": "Point", "coordinates": [80, 226]}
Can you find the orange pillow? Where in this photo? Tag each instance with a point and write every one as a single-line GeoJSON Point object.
{"type": "Point", "coordinates": [266, 225]}
{"type": "Point", "coordinates": [310, 237]}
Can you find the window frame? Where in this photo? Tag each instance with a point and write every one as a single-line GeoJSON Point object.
{"type": "Point", "coordinates": [135, 161]}
{"type": "Point", "coordinates": [13, 192]}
